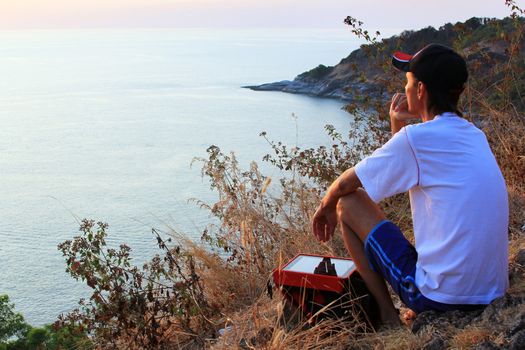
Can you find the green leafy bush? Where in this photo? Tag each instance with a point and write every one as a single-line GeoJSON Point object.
{"type": "Point", "coordinates": [12, 324]}
{"type": "Point", "coordinates": [142, 307]}
{"type": "Point", "coordinates": [16, 334]}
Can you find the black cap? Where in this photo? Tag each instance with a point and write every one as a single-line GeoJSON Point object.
{"type": "Point", "coordinates": [438, 66]}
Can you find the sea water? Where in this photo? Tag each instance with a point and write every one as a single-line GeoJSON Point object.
{"type": "Point", "coordinates": [104, 124]}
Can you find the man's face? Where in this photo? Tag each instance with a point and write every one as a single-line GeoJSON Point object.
{"type": "Point", "coordinates": [411, 91]}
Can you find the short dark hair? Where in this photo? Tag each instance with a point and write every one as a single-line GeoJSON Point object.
{"type": "Point", "coordinates": [440, 101]}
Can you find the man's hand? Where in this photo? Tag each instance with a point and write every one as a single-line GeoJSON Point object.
{"type": "Point", "coordinates": [399, 108]}
{"type": "Point", "coordinates": [324, 222]}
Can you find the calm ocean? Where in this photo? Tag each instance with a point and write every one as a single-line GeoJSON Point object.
{"type": "Point", "coordinates": [104, 125]}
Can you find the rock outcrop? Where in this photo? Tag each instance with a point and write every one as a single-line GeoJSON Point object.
{"type": "Point", "coordinates": [344, 90]}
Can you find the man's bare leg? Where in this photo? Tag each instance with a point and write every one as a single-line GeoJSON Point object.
{"type": "Point", "coordinates": [358, 215]}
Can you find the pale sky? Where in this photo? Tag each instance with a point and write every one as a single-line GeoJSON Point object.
{"type": "Point", "coordinates": [377, 14]}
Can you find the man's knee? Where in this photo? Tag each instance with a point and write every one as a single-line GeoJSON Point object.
{"type": "Point", "coordinates": [348, 203]}
{"type": "Point", "coordinates": [359, 212]}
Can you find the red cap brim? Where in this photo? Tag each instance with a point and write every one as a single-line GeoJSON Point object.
{"type": "Point", "coordinates": [401, 61]}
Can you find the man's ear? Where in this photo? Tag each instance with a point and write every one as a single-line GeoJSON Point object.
{"type": "Point", "coordinates": [421, 90]}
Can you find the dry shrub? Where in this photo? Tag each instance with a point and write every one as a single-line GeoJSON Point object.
{"type": "Point", "coordinates": [256, 229]}
{"type": "Point", "coordinates": [506, 134]}
{"type": "Point", "coordinates": [153, 306]}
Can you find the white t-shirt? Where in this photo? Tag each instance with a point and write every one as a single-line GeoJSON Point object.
{"type": "Point", "coordinates": [459, 206]}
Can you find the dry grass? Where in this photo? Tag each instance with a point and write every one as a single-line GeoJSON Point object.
{"type": "Point", "coordinates": [466, 338]}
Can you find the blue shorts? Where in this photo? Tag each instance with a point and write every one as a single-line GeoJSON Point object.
{"type": "Point", "coordinates": [391, 254]}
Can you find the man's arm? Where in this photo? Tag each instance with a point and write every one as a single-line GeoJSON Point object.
{"type": "Point", "coordinates": [324, 220]}
{"type": "Point", "coordinates": [346, 183]}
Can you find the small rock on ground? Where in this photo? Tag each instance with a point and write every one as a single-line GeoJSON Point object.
{"type": "Point", "coordinates": [456, 319]}
{"type": "Point", "coordinates": [486, 345]}
{"type": "Point", "coordinates": [436, 343]}
{"type": "Point", "coordinates": [520, 257]}
{"type": "Point", "coordinates": [517, 342]}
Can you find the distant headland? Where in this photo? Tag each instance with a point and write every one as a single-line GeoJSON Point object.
{"type": "Point", "coordinates": [358, 74]}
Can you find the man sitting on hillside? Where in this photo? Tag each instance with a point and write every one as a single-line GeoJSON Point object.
{"type": "Point", "coordinates": [457, 194]}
